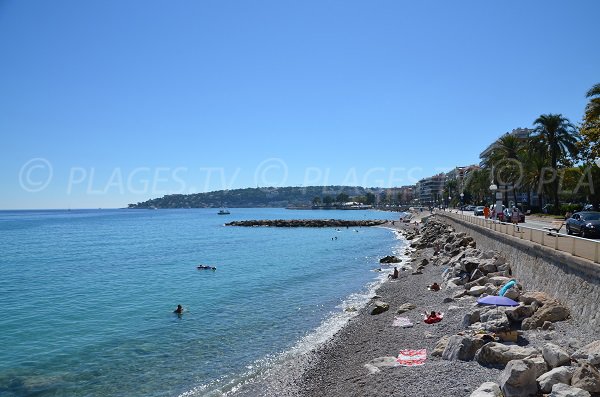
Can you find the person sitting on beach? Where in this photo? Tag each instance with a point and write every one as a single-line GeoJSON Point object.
{"type": "Point", "coordinates": [394, 275]}
{"type": "Point", "coordinates": [434, 287]}
{"type": "Point", "coordinates": [179, 310]}
{"type": "Point", "coordinates": [433, 317]}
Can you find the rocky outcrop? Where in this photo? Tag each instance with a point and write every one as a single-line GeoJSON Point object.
{"type": "Point", "coordinates": [586, 377]}
{"type": "Point", "coordinates": [551, 311]}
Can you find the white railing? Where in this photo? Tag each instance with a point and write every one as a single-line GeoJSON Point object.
{"type": "Point", "coordinates": [576, 246]}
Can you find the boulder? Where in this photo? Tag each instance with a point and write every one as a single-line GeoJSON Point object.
{"type": "Point", "coordinates": [470, 264]}
{"type": "Point", "coordinates": [380, 307]}
{"type": "Point", "coordinates": [471, 318]}
{"type": "Point", "coordinates": [530, 297]}
{"type": "Point", "coordinates": [589, 353]}
{"type": "Point", "coordinates": [518, 379]}
{"type": "Point", "coordinates": [406, 307]}
{"type": "Point", "coordinates": [586, 377]}
{"type": "Point", "coordinates": [499, 280]}
{"type": "Point", "coordinates": [477, 290]}
{"type": "Point", "coordinates": [476, 274]}
{"type": "Point", "coordinates": [480, 281]}
{"type": "Point", "coordinates": [487, 267]}
{"type": "Point", "coordinates": [461, 347]}
{"type": "Point", "coordinates": [555, 356]}
{"type": "Point", "coordinates": [487, 389]}
{"type": "Point", "coordinates": [562, 390]}
{"type": "Point", "coordinates": [498, 354]}
{"type": "Point", "coordinates": [513, 293]}
{"type": "Point", "coordinates": [551, 311]}
{"type": "Point", "coordinates": [519, 313]}
{"type": "Point", "coordinates": [390, 259]}
{"type": "Point", "coordinates": [557, 375]}
{"type": "Point", "coordinates": [440, 346]}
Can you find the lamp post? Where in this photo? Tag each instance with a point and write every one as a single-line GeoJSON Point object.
{"type": "Point", "coordinates": [493, 189]}
{"type": "Point", "coordinates": [449, 202]}
{"type": "Point", "coordinates": [462, 205]}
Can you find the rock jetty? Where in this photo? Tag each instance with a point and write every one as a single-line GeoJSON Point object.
{"type": "Point", "coordinates": [306, 223]}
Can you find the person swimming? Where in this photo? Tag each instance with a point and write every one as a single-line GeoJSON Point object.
{"type": "Point", "coordinates": [179, 310]}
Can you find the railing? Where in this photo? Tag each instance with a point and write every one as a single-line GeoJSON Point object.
{"type": "Point", "coordinates": [576, 246]}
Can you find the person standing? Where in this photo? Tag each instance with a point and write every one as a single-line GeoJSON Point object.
{"type": "Point", "coordinates": [486, 212]}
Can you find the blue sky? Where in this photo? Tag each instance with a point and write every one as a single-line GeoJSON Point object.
{"type": "Point", "coordinates": [104, 103]}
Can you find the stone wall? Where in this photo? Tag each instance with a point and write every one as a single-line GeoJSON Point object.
{"type": "Point", "coordinates": [573, 281]}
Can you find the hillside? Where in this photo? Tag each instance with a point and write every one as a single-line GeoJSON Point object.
{"type": "Point", "coordinates": [260, 197]}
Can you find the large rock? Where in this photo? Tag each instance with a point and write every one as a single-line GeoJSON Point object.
{"type": "Point", "coordinates": [555, 356]}
{"type": "Point", "coordinates": [487, 267]}
{"type": "Point", "coordinates": [513, 293]}
{"type": "Point", "coordinates": [551, 311]}
{"type": "Point", "coordinates": [499, 280]}
{"type": "Point", "coordinates": [477, 290]}
{"type": "Point", "coordinates": [462, 348]}
{"type": "Point", "coordinates": [406, 307]}
{"type": "Point", "coordinates": [440, 346]}
{"type": "Point", "coordinates": [536, 296]}
{"type": "Point", "coordinates": [562, 390]}
{"type": "Point", "coordinates": [586, 377]}
{"type": "Point", "coordinates": [519, 313]}
{"type": "Point", "coordinates": [557, 375]}
{"type": "Point", "coordinates": [518, 379]}
{"type": "Point", "coordinates": [480, 281]}
{"type": "Point", "coordinates": [487, 389]}
{"type": "Point", "coordinates": [380, 307]}
{"type": "Point", "coordinates": [390, 259]}
{"type": "Point", "coordinates": [471, 318]}
{"type": "Point", "coordinates": [498, 354]}
{"type": "Point", "coordinates": [589, 353]}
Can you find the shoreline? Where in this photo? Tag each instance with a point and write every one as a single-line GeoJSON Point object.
{"type": "Point", "coordinates": [336, 368]}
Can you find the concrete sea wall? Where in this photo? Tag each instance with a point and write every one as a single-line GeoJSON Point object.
{"type": "Point", "coordinates": [573, 281]}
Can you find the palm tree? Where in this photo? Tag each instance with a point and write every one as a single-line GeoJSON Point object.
{"type": "Point", "coordinates": [592, 110]}
{"type": "Point", "coordinates": [506, 159]}
{"type": "Point", "coordinates": [590, 130]}
{"type": "Point", "coordinates": [559, 137]}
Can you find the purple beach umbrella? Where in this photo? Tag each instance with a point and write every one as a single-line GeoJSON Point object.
{"type": "Point", "coordinates": [497, 301]}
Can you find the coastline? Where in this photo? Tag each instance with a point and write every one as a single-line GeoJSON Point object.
{"type": "Point", "coordinates": [336, 368]}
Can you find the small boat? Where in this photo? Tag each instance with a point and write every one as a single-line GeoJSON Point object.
{"type": "Point", "coordinates": [223, 211]}
{"type": "Point", "coordinates": [206, 267]}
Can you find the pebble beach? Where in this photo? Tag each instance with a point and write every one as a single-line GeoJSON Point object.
{"type": "Point", "coordinates": [343, 366]}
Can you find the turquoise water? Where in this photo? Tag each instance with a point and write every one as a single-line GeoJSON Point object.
{"type": "Point", "coordinates": [87, 296]}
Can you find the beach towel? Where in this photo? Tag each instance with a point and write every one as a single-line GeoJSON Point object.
{"type": "Point", "coordinates": [403, 322]}
{"type": "Point", "coordinates": [411, 358]}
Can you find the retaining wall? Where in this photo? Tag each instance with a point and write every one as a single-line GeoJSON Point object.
{"type": "Point", "coordinates": [575, 282]}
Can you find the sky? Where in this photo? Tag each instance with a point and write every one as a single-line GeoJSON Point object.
{"type": "Point", "coordinates": [105, 103]}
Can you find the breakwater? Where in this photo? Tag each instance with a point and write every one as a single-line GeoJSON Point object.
{"type": "Point", "coordinates": [307, 223]}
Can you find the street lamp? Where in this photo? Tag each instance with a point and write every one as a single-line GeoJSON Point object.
{"type": "Point", "coordinates": [462, 195]}
{"type": "Point", "coordinates": [494, 188]}
{"type": "Point", "coordinates": [449, 202]}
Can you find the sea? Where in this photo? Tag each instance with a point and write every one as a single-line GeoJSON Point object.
{"type": "Point", "coordinates": [87, 297]}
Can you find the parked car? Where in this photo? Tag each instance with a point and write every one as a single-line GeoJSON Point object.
{"type": "Point", "coordinates": [585, 223]}
{"type": "Point", "coordinates": [478, 210]}
{"type": "Point", "coordinates": [588, 207]}
{"type": "Point", "coordinates": [507, 214]}
{"type": "Point", "coordinates": [469, 207]}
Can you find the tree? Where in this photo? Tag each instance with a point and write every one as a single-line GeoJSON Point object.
{"type": "Point", "coordinates": [560, 138]}
{"type": "Point", "coordinates": [590, 129]}
{"type": "Point", "coordinates": [328, 200]}
{"type": "Point", "coordinates": [370, 198]}
{"type": "Point", "coordinates": [316, 200]}
{"type": "Point", "coordinates": [506, 160]}
{"type": "Point", "coordinates": [342, 198]}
